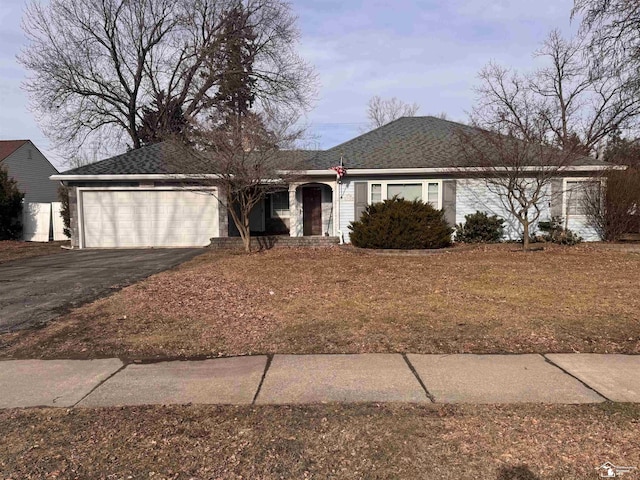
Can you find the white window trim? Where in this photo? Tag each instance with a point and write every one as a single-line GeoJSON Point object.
{"type": "Point", "coordinates": [424, 183]}
{"type": "Point", "coordinates": [565, 190]}
{"type": "Point", "coordinates": [274, 214]}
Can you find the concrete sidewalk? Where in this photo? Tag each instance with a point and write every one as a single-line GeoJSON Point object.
{"type": "Point", "coordinates": [309, 379]}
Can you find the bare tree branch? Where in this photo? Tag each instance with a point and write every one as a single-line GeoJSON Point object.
{"type": "Point", "coordinates": [95, 63]}
{"type": "Point", "coordinates": [381, 111]}
{"type": "Point", "coordinates": [249, 158]}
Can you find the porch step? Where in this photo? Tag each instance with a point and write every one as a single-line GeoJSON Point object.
{"type": "Point", "coordinates": [268, 242]}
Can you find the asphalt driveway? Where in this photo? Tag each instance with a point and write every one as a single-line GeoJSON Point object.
{"type": "Point", "coordinates": [36, 290]}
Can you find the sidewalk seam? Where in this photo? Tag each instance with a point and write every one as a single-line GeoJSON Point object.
{"type": "Point", "coordinates": [124, 365]}
{"type": "Point", "coordinates": [415, 374]}
{"type": "Point", "coordinates": [548, 360]}
{"type": "Point", "coordinates": [264, 374]}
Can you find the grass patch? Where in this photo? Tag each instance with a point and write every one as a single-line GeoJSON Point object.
{"type": "Point", "coordinates": [14, 250]}
{"type": "Point", "coordinates": [332, 441]}
{"type": "Point", "coordinates": [490, 299]}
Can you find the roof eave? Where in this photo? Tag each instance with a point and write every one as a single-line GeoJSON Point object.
{"type": "Point", "coordinates": [133, 177]}
{"type": "Point", "coordinates": [328, 172]}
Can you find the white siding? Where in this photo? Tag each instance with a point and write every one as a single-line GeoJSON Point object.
{"type": "Point", "coordinates": [347, 207]}
{"type": "Point", "coordinates": [473, 195]}
{"type": "Point", "coordinates": [577, 223]}
{"type": "Point", "coordinates": [580, 225]}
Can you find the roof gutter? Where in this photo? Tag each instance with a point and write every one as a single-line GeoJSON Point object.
{"type": "Point", "coordinates": [136, 176]}
{"type": "Point", "coordinates": [419, 171]}
{"type": "Point", "coordinates": [328, 172]}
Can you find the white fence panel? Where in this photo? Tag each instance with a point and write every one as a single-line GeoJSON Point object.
{"type": "Point", "coordinates": [36, 222]}
{"type": "Point", "coordinates": [58, 223]}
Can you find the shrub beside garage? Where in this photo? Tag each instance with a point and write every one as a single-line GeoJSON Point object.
{"type": "Point", "coordinates": [10, 207]}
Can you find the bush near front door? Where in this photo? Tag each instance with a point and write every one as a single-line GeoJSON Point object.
{"type": "Point", "coordinates": [401, 224]}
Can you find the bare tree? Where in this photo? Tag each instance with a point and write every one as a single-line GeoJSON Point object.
{"type": "Point", "coordinates": [95, 63]}
{"type": "Point", "coordinates": [519, 170]}
{"type": "Point", "coordinates": [246, 159]}
{"type": "Point", "coordinates": [513, 145]}
{"type": "Point", "coordinates": [582, 102]}
{"type": "Point", "coordinates": [615, 209]}
{"type": "Point", "coordinates": [381, 111]}
{"type": "Point", "coordinates": [611, 27]}
{"type": "Point", "coordinates": [532, 127]}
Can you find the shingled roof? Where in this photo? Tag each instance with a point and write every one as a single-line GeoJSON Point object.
{"type": "Point", "coordinates": [409, 142]}
{"type": "Point", "coordinates": [7, 147]}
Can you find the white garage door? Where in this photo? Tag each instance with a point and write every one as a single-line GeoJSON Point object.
{"type": "Point", "coordinates": [148, 218]}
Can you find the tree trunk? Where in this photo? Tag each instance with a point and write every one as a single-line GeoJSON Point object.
{"type": "Point", "coordinates": [241, 220]}
{"type": "Point", "coordinates": [525, 235]}
{"type": "Point", "coordinates": [247, 232]}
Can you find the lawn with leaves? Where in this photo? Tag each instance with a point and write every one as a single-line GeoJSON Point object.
{"type": "Point", "coordinates": [492, 299]}
{"type": "Point", "coordinates": [525, 442]}
{"type": "Point", "coordinates": [14, 250]}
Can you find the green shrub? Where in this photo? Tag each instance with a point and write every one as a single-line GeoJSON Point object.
{"type": "Point", "coordinates": [10, 208]}
{"type": "Point", "coordinates": [480, 228]}
{"type": "Point", "coordinates": [554, 231]}
{"type": "Point", "coordinates": [400, 224]}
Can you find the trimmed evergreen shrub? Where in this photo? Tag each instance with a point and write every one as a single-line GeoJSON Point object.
{"type": "Point", "coordinates": [10, 207]}
{"type": "Point", "coordinates": [480, 228]}
{"type": "Point", "coordinates": [554, 231]}
{"type": "Point", "coordinates": [400, 224]}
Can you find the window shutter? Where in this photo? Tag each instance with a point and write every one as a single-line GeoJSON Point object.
{"type": "Point", "coordinates": [360, 203]}
{"type": "Point", "coordinates": [557, 196]}
{"type": "Point", "coordinates": [449, 201]}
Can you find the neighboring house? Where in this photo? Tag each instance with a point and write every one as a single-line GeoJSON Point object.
{"type": "Point", "coordinates": [41, 219]}
{"type": "Point", "coordinates": [135, 199]}
{"type": "Point", "coordinates": [31, 169]}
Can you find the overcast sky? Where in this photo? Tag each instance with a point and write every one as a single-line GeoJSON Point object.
{"type": "Point", "coordinates": [426, 51]}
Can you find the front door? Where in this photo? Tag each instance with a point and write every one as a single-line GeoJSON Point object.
{"type": "Point", "coordinates": [312, 211]}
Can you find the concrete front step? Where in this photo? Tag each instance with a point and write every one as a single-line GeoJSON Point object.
{"type": "Point", "coordinates": [273, 241]}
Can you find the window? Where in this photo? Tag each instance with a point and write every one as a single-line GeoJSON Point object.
{"type": "Point", "coordinates": [422, 190]}
{"type": "Point", "coordinates": [376, 193]}
{"type": "Point", "coordinates": [579, 194]}
{"type": "Point", "coordinates": [280, 204]}
{"type": "Point", "coordinates": [408, 191]}
{"type": "Point", "coordinates": [433, 191]}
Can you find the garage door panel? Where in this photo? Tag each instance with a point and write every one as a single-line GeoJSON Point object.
{"type": "Point", "coordinates": [144, 218]}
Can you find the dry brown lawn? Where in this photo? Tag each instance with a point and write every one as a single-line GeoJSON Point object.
{"type": "Point", "coordinates": [480, 300]}
{"type": "Point", "coordinates": [525, 442]}
{"type": "Point", "coordinates": [13, 250]}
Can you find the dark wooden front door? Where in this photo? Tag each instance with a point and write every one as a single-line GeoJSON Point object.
{"type": "Point", "coordinates": [312, 211]}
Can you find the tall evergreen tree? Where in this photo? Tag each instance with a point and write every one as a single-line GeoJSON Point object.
{"type": "Point", "coordinates": [234, 61]}
{"type": "Point", "coordinates": [10, 207]}
{"type": "Point", "coordinates": [163, 120]}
